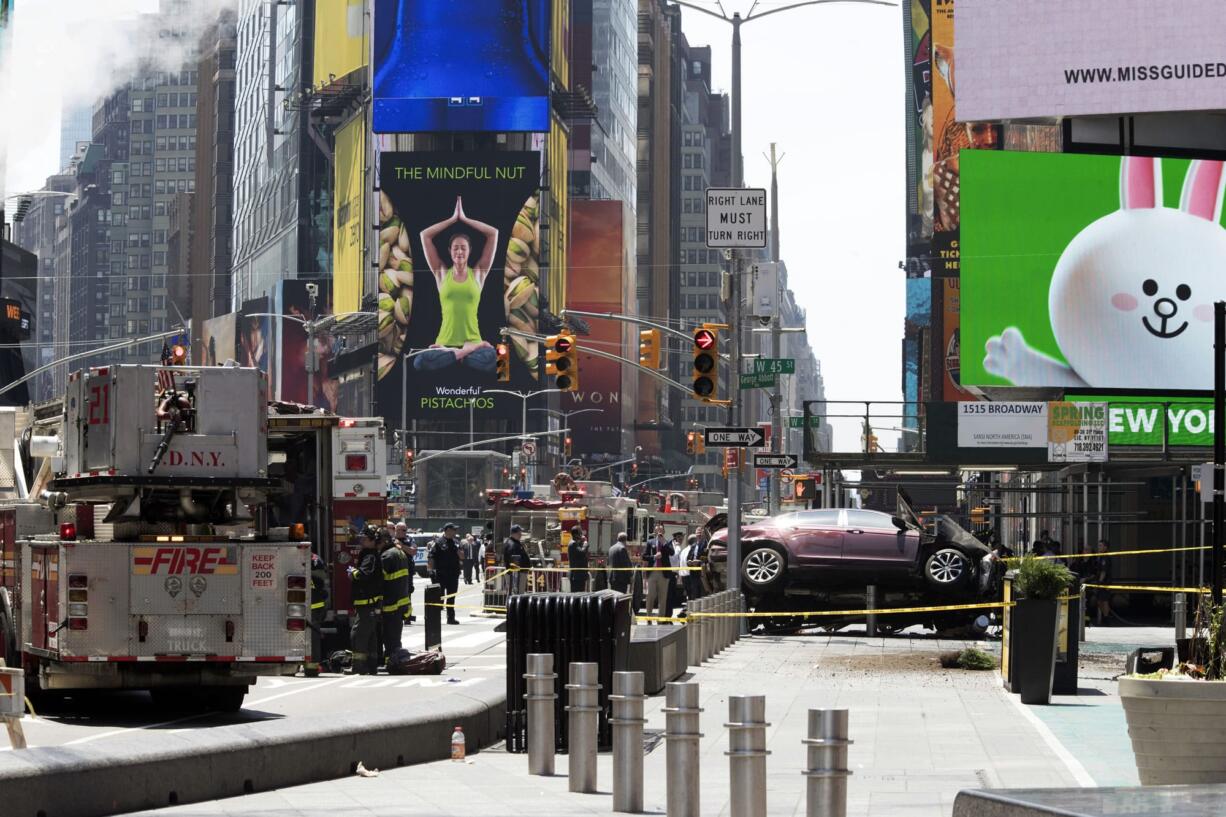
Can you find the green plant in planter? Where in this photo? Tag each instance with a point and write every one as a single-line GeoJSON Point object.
{"type": "Point", "coordinates": [1041, 578]}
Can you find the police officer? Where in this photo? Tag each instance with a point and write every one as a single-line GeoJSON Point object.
{"type": "Point", "coordinates": [395, 593]}
{"type": "Point", "coordinates": [445, 564]}
{"type": "Point", "coordinates": [367, 577]}
{"type": "Point", "coordinates": [516, 559]}
{"type": "Point", "coordinates": [578, 557]}
{"type": "Point", "coordinates": [319, 604]}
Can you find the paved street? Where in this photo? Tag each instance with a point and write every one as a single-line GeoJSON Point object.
{"type": "Point", "coordinates": [474, 657]}
{"type": "Point", "coordinates": [921, 734]}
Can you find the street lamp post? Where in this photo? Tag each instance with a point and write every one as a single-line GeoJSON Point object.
{"type": "Point", "coordinates": [524, 397]}
{"type": "Point", "coordinates": [565, 415]}
{"type": "Point", "coordinates": [734, 311]}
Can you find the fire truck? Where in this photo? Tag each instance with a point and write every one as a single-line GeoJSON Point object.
{"type": "Point", "coordinates": [333, 474]}
{"type": "Point", "coordinates": [137, 546]}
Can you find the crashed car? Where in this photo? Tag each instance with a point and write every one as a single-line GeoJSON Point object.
{"type": "Point", "coordinates": [848, 548]}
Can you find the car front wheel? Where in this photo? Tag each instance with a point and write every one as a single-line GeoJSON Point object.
{"type": "Point", "coordinates": [764, 569]}
{"type": "Point", "coordinates": [947, 569]}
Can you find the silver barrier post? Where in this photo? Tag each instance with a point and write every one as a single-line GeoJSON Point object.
{"type": "Point", "coordinates": [693, 624]}
{"type": "Point", "coordinates": [1177, 610]}
{"type": "Point", "coordinates": [540, 697]}
{"type": "Point", "coordinates": [826, 770]}
{"type": "Point", "coordinates": [747, 755]}
{"type": "Point", "coordinates": [870, 601]}
{"type": "Point", "coordinates": [704, 631]}
{"type": "Point", "coordinates": [739, 622]}
{"type": "Point", "coordinates": [721, 608]}
{"type": "Point", "coordinates": [583, 698]}
{"type": "Point", "coordinates": [681, 736]}
{"type": "Point", "coordinates": [627, 724]}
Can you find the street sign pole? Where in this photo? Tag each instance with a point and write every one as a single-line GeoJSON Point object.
{"type": "Point", "coordinates": [734, 355]}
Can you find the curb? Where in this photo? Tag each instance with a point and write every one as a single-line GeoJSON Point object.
{"type": "Point", "coordinates": [159, 770]}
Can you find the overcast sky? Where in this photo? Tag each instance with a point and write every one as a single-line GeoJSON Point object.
{"type": "Point", "coordinates": [825, 82]}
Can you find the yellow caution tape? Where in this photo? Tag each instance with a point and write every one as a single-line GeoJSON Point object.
{"type": "Point", "coordinates": [1111, 553]}
{"type": "Point", "coordinates": [1143, 588]}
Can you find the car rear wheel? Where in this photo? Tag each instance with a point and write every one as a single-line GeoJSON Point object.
{"type": "Point", "coordinates": [764, 569]}
{"type": "Point", "coordinates": [947, 569]}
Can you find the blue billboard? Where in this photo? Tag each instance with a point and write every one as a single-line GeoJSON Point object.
{"type": "Point", "coordinates": [461, 65]}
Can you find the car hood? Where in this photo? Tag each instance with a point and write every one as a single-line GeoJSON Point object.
{"type": "Point", "coordinates": [950, 532]}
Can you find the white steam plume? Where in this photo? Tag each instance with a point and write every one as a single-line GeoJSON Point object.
{"type": "Point", "coordinates": [67, 53]}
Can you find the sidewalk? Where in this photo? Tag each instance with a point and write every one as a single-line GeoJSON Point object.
{"type": "Point", "coordinates": [921, 734]}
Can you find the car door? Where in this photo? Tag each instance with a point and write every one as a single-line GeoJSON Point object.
{"type": "Point", "coordinates": [814, 537]}
{"type": "Point", "coordinates": [874, 545]}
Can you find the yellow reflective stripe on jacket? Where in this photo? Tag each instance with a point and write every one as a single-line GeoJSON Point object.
{"type": "Point", "coordinates": [319, 605]}
{"type": "Point", "coordinates": [397, 574]}
{"type": "Point", "coordinates": [365, 602]}
{"type": "Point", "coordinates": [391, 608]}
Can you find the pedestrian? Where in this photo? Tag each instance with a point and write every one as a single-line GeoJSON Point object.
{"type": "Point", "coordinates": [691, 575]}
{"type": "Point", "coordinates": [445, 564]}
{"type": "Point", "coordinates": [1050, 546]}
{"type": "Point", "coordinates": [367, 581]}
{"type": "Point", "coordinates": [620, 573]}
{"type": "Point", "coordinates": [676, 590]}
{"type": "Point", "coordinates": [395, 593]}
{"type": "Point", "coordinates": [516, 559]}
{"type": "Point", "coordinates": [319, 609]}
{"type": "Point", "coordinates": [577, 554]}
{"type": "Point", "coordinates": [1102, 575]}
{"type": "Point", "coordinates": [469, 554]}
{"type": "Point", "coordinates": [657, 554]}
{"type": "Point", "coordinates": [410, 551]}
{"type": "Point", "coordinates": [698, 557]}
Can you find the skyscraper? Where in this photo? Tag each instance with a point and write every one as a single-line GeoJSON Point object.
{"type": "Point", "coordinates": [76, 125]}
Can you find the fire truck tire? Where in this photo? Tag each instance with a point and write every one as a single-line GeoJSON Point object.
{"type": "Point", "coordinates": [224, 699]}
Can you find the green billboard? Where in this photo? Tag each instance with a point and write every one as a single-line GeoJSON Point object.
{"type": "Point", "coordinates": [1090, 271]}
{"type": "Point", "coordinates": [1139, 420]}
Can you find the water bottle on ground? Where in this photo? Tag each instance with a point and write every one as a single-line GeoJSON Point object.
{"type": "Point", "coordinates": [457, 744]}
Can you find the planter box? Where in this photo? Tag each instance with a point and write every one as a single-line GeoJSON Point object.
{"type": "Point", "coordinates": [1177, 728]}
{"type": "Point", "coordinates": [1033, 659]}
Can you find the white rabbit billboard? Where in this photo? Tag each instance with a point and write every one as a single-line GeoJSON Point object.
{"type": "Point", "coordinates": [1090, 271]}
{"type": "Point", "coordinates": [1048, 58]}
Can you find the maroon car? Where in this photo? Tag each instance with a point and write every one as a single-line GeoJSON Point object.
{"type": "Point", "coordinates": [849, 548]}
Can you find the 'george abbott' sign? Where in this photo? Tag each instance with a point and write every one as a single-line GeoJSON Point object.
{"type": "Point", "coordinates": [1141, 422]}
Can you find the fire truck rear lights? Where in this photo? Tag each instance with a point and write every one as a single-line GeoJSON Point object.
{"type": "Point", "coordinates": [295, 625]}
{"type": "Point", "coordinates": [229, 631]}
{"type": "Point", "coordinates": [78, 624]}
{"type": "Point", "coordinates": [76, 594]}
{"type": "Point", "coordinates": [78, 610]}
{"type": "Point", "coordinates": [295, 610]}
{"type": "Point", "coordinates": [78, 580]}
{"type": "Point", "coordinates": [68, 531]}
{"type": "Point", "coordinates": [297, 531]}
{"type": "Point", "coordinates": [348, 423]}
{"type": "Point", "coordinates": [298, 596]}
{"type": "Point", "coordinates": [296, 582]}
{"type": "Point", "coordinates": [355, 462]}
{"type": "Point", "coordinates": [171, 539]}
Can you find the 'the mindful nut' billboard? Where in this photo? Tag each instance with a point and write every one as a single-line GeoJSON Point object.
{"type": "Point", "coordinates": [1058, 58]}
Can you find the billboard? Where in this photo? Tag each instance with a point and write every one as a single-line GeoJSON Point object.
{"type": "Point", "coordinates": [595, 283]}
{"type": "Point", "coordinates": [919, 130]}
{"type": "Point", "coordinates": [1049, 58]}
{"type": "Point", "coordinates": [1095, 271]}
{"type": "Point", "coordinates": [1155, 421]}
{"type": "Point", "coordinates": [340, 39]}
{"type": "Point", "coordinates": [217, 340]}
{"type": "Point", "coordinates": [294, 301]}
{"type": "Point", "coordinates": [951, 340]}
{"type": "Point", "coordinates": [463, 65]}
{"type": "Point", "coordinates": [349, 216]}
{"type": "Point", "coordinates": [253, 328]}
{"type": "Point", "coordinates": [459, 260]}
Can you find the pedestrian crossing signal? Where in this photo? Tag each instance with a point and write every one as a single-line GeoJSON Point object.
{"type": "Point", "coordinates": [649, 348]}
{"type": "Point", "coordinates": [504, 362]}
{"type": "Point", "coordinates": [805, 489]}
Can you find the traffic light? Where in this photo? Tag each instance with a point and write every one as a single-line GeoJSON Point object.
{"type": "Point", "coordinates": [504, 362]}
{"type": "Point", "coordinates": [870, 443]}
{"type": "Point", "coordinates": [562, 361]}
{"type": "Point", "coordinates": [566, 447]}
{"type": "Point", "coordinates": [706, 364]}
{"type": "Point", "coordinates": [649, 348]}
{"type": "Point", "coordinates": [805, 489]}
{"type": "Point", "coordinates": [408, 460]}
{"type": "Point", "coordinates": [691, 445]}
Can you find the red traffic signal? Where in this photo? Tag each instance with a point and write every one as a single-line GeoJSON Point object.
{"type": "Point", "coordinates": [563, 343]}
{"type": "Point", "coordinates": [704, 339]}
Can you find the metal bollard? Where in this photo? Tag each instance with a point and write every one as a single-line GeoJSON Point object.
{"type": "Point", "coordinates": [628, 723]}
{"type": "Point", "coordinates": [870, 601]}
{"type": "Point", "coordinates": [681, 736]}
{"type": "Point", "coordinates": [540, 697]}
{"type": "Point", "coordinates": [747, 755]}
{"type": "Point", "coordinates": [583, 697]}
{"type": "Point", "coordinates": [727, 619]}
{"type": "Point", "coordinates": [704, 631]}
{"type": "Point", "coordinates": [434, 616]}
{"type": "Point", "coordinates": [692, 625]}
{"type": "Point", "coordinates": [1177, 610]}
{"type": "Point", "coordinates": [826, 770]}
{"type": "Point", "coordinates": [721, 623]}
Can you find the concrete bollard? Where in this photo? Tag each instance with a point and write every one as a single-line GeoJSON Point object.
{"type": "Point", "coordinates": [727, 619]}
{"type": "Point", "coordinates": [705, 630]}
{"type": "Point", "coordinates": [693, 624]}
{"type": "Point", "coordinates": [826, 769]}
{"type": "Point", "coordinates": [721, 624]}
{"type": "Point", "coordinates": [540, 696]}
{"type": "Point", "coordinates": [870, 602]}
{"type": "Point", "coordinates": [681, 736]}
{"type": "Point", "coordinates": [627, 724]}
{"type": "Point", "coordinates": [747, 755]}
{"type": "Point", "coordinates": [583, 699]}
{"type": "Point", "coordinates": [1178, 610]}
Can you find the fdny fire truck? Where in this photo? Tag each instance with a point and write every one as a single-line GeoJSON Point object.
{"type": "Point", "coordinates": [136, 550]}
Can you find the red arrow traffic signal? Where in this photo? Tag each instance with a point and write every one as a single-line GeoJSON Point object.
{"type": "Point", "coordinates": [704, 339]}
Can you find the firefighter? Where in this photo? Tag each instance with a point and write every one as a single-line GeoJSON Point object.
{"type": "Point", "coordinates": [319, 603]}
{"type": "Point", "coordinates": [445, 565]}
{"type": "Point", "coordinates": [367, 598]}
{"type": "Point", "coordinates": [395, 593]}
{"type": "Point", "coordinates": [410, 551]}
